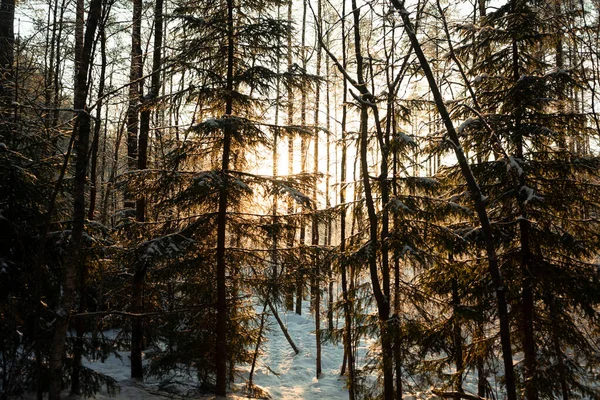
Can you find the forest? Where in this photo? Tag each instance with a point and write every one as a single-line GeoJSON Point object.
{"type": "Point", "coordinates": [423, 174]}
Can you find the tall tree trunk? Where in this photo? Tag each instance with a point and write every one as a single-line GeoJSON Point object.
{"type": "Point", "coordinates": [397, 304]}
{"type": "Point", "coordinates": [83, 274]}
{"type": "Point", "coordinates": [347, 295]}
{"type": "Point", "coordinates": [139, 274]}
{"type": "Point", "coordinates": [7, 59]}
{"type": "Point", "coordinates": [97, 126]}
{"type": "Point", "coordinates": [315, 221]}
{"type": "Point", "coordinates": [289, 297]}
{"type": "Point", "coordinates": [381, 299]}
{"type": "Point", "coordinates": [457, 339]}
{"type": "Point", "coordinates": [221, 348]}
{"type": "Point", "coordinates": [528, 274]}
{"type": "Point", "coordinates": [82, 128]}
{"type": "Point", "coordinates": [303, 155]}
{"type": "Point", "coordinates": [480, 206]}
{"type": "Point", "coordinates": [57, 66]}
{"type": "Point", "coordinates": [134, 159]}
{"type": "Point", "coordinates": [50, 66]}
{"type": "Point", "coordinates": [480, 363]}
{"type": "Point", "coordinates": [329, 228]}
{"type": "Point", "coordinates": [551, 303]}
{"type": "Point", "coordinates": [135, 87]}
{"type": "Point", "coordinates": [7, 77]}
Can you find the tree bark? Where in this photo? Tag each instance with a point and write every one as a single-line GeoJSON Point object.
{"type": "Point", "coordinates": [135, 87]}
{"type": "Point", "coordinates": [257, 347]}
{"type": "Point", "coordinates": [382, 301]}
{"type": "Point", "coordinates": [80, 323]}
{"type": "Point", "coordinates": [139, 275]}
{"type": "Point", "coordinates": [457, 339]}
{"type": "Point", "coordinates": [289, 296]}
{"type": "Point", "coordinates": [7, 59]}
{"type": "Point", "coordinates": [301, 274]}
{"type": "Point", "coordinates": [134, 159]}
{"type": "Point", "coordinates": [283, 328]}
{"type": "Point", "coordinates": [562, 373]}
{"type": "Point", "coordinates": [329, 228]}
{"type": "Point", "coordinates": [347, 296]}
{"type": "Point", "coordinates": [315, 219]}
{"type": "Point", "coordinates": [7, 53]}
{"type": "Point", "coordinates": [527, 268]}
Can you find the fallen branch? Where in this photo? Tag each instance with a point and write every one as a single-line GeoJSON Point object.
{"type": "Point", "coordinates": [283, 328]}
{"type": "Point", "coordinates": [454, 395]}
{"type": "Point", "coordinates": [149, 314]}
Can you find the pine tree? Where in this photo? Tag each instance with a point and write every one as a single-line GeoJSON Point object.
{"type": "Point", "coordinates": [519, 124]}
{"type": "Point", "coordinates": [232, 82]}
{"type": "Point", "coordinates": [477, 198]}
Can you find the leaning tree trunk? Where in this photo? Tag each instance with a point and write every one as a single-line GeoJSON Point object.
{"type": "Point", "coordinates": [480, 206]}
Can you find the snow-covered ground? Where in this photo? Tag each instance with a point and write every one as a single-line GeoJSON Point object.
{"type": "Point", "coordinates": [279, 371]}
{"type": "Point", "coordinates": [285, 375]}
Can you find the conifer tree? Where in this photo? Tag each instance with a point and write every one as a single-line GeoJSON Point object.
{"type": "Point", "coordinates": [532, 122]}
{"type": "Point", "coordinates": [231, 80]}
{"type": "Point", "coordinates": [478, 199]}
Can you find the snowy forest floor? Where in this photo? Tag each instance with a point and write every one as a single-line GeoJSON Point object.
{"type": "Point", "coordinates": [279, 372]}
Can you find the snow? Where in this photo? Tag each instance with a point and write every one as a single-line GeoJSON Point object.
{"type": "Point", "coordinates": [480, 78]}
{"type": "Point", "coordinates": [279, 372]}
{"type": "Point", "coordinates": [396, 205]}
{"type": "Point", "coordinates": [465, 124]}
{"type": "Point", "coordinates": [285, 375]}
{"type": "Point", "coordinates": [514, 164]}
{"type": "Point", "coordinates": [529, 194]}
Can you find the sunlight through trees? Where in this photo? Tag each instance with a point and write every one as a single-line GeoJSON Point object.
{"type": "Point", "coordinates": [422, 176]}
